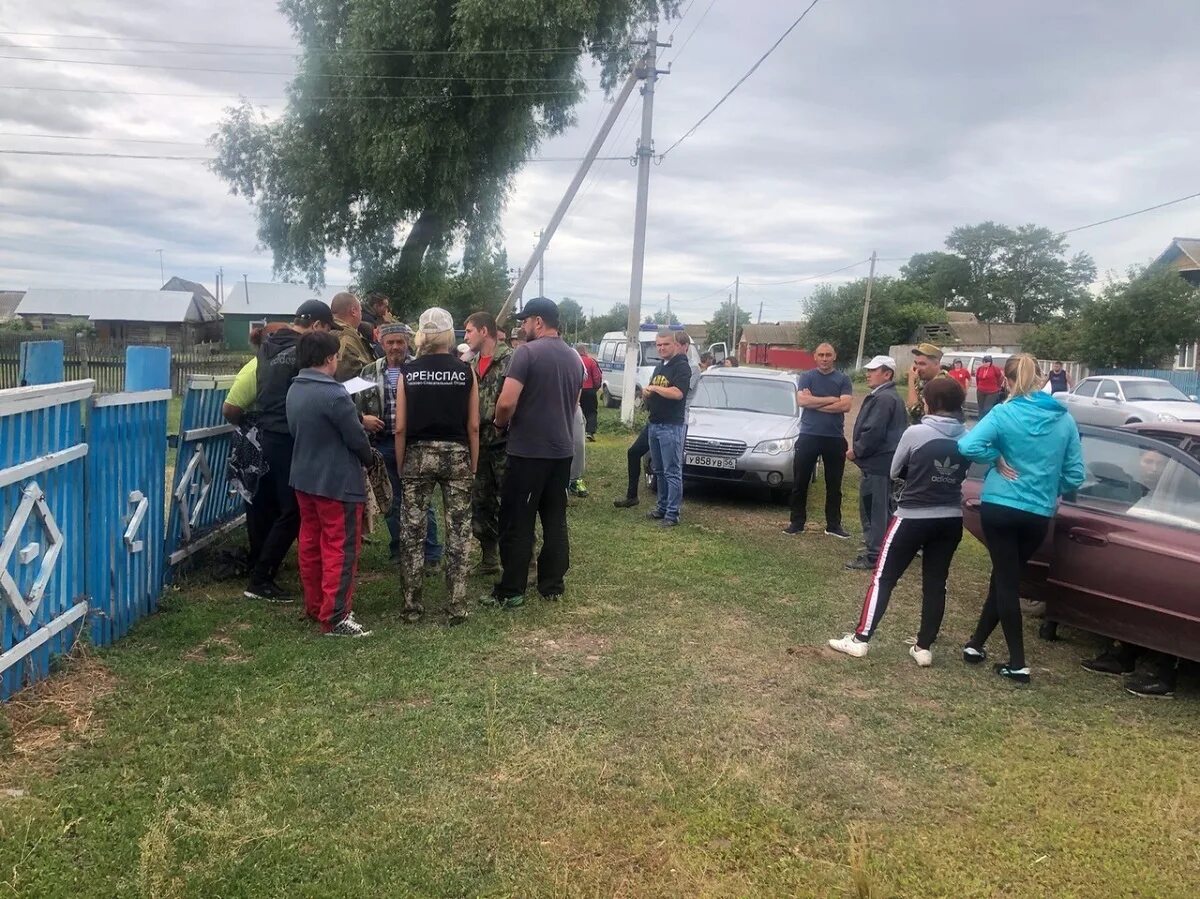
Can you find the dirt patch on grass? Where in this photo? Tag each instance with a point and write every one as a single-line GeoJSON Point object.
{"type": "Point", "coordinates": [220, 647]}
{"type": "Point", "coordinates": [39, 724]}
{"type": "Point", "coordinates": [558, 652]}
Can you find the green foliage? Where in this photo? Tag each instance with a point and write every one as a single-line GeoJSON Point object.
{"type": "Point", "coordinates": [1058, 338]}
{"type": "Point", "coordinates": [1140, 321]}
{"type": "Point", "coordinates": [898, 307]}
{"type": "Point", "coordinates": [661, 317]}
{"type": "Point", "coordinates": [574, 322]}
{"type": "Point", "coordinates": [718, 325]}
{"type": "Point", "coordinates": [616, 319]}
{"type": "Point", "coordinates": [456, 289]}
{"type": "Point", "coordinates": [423, 143]}
{"type": "Point", "coordinates": [941, 276]}
{"type": "Point", "coordinates": [1015, 274]}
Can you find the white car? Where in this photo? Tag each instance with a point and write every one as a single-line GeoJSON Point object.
{"type": "Point", "coordinates": [1115, 400]}
{"type": "Point", "coordinates": [611, 359]}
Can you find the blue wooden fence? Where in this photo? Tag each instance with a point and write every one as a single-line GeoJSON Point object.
{"type": "Point", "coordinates": [83, 502]}
{"type": "Point", "coordinates": [1187, 381]}
{"type": "Point", "coordinates": [203, 504]}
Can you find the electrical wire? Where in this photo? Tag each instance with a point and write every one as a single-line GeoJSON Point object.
{"type": "Point", "coordinates": [687, 40]}
{"type": "Point", "coordinates": [225, 49]}
{"type": "Point", "coordinates": [1117, 218]}
{"type": "Point", "coordinates": [704, 118]}
{"type": "Point", "coordinates": [79, 154]}
{"type": "Point", "coordinates": [836, 271]}
{"type": "Point", "coordinates": [78, 90]}
{"type": "Point", "coordinates": [89, 137]}
{"type": "Point", "coordinates": [143, 65]}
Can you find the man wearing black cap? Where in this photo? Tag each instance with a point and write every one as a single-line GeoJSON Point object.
{"type": "Point", "coordinates": [537, 404]}
{"type": "Point", "coordinates": [276, 369]}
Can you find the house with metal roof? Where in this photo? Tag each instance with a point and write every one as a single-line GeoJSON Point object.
{"type": "Point", "coordinates": [258, 302]}
{"type": "Point", "coordinates": [1183, 255]}
{"type": "Point", "coordinates": [173, 317]}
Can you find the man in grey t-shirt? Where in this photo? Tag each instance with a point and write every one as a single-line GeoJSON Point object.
{"type": "Point", "coordinates": [537, 404]}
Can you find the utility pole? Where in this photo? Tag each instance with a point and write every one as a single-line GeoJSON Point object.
{"type": "Point", "coordinates": [668, 310]}
{"type": "Point", "coordinates": [647, 69]}
{"type": "Point", "coordinates": [162, 274]}
{"type": "Point", "coordinates": [246, 284]}
{"type": "Point", "coordinates": [760, 312]}
{"type": "Point", "coordinates": [541, 269]}
{"type": "Point", "coordinates": [862, 331]}
{"type": "Point", "coordinates": [737, 302]}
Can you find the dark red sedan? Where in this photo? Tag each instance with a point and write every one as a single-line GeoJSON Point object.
{"type": "Point", "coordinates": [1122, 558]}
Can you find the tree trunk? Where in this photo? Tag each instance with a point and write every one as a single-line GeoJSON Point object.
{"type": "Point", "coordinates": [425, 231]}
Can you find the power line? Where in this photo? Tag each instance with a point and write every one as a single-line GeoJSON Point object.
{"type": "Point", "coordinates": [79, 90]}
{"type": "Point", "coordinates": [1117, 218]}
{"type": "Point", "coordinates": [687, 40]}
{"type": "Point", "coordinates": [836, 271]}
{"type": "Point", "coordinates": [145, 65]}
{"type": "Point", "coordinates": [79, 154]}
{"type": "Point", "coordinates": [227, 48]}
{"type": "Point", "coordinates": [123, 140]}
{"type": "Point", "coordinates": [741, 80]}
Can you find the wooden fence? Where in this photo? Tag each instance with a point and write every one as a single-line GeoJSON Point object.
{"type": "Point", "coordinates": [107, 369]}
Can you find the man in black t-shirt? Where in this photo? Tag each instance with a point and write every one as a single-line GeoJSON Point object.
{"type": "Point", "coordinates": [666, 397]}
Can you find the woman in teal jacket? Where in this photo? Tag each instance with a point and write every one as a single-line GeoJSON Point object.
{"type": "Point", "coordinates": [1032, 444]}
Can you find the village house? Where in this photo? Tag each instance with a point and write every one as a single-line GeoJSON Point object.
{"type": "Point", "coordinates": [1183, 255]}
{"type": "Point", "coordinates": [258, 302]}
{"type": "Point", "coordinates": [176, 318]}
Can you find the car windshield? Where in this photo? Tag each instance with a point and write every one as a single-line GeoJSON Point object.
{"type": "Point", "coordinates": [1153, 392]}
{"type": "Point", "coordinates": [745, 394]}
{"type": "Point", "coordinates": [650, 354]}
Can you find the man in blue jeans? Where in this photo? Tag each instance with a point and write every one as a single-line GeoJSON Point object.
{"type": "Point", "coordinates": [665, 398]}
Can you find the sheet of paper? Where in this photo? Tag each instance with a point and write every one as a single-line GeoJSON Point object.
{"type": "Point", "coordinates": [358, 385]}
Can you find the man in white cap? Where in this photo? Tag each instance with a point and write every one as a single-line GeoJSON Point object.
{"type": "Point", "coordinates": [877, 430]}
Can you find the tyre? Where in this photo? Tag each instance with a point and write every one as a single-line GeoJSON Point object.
{"type": "Point", "coordinates": [607, 398]}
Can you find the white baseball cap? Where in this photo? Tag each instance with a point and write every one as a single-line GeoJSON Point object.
{"type": "Point", "coordinates": [435, 321]}
{"type": "Point", "coordinates": [881, 362]}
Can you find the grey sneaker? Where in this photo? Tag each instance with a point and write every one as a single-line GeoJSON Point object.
{"type": "Point", "coordinates": [348, 627]}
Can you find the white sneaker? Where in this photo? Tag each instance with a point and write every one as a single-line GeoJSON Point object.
{"type": "Point", "coordinates": [348, 627]}
{"type": "Point", "coordinates": [923, 657]}
{"type": "Point", "coordinates": [850, 645]}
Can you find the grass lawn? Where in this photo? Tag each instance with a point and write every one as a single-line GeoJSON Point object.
{"type": "Point", "coordinates": [674, 728]}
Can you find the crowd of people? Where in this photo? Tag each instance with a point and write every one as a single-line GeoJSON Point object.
{"type": "Point", "coordinates": [345, 411]}
{"type": "Point", "coordinates": [499, 430]}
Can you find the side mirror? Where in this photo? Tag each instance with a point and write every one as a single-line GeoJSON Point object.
{"type": "Point", "coordinates": [1193, 398]}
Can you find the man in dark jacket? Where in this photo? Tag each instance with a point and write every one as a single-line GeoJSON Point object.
{"type": "Point", "coordinates": [877, 430]}
{"type": "Point", "coordinates": [331, 449]}
{"type": "Point", "coordinates": [276, 371]}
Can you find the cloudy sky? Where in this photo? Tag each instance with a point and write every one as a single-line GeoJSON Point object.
{"type": "Point", "coordinates": [877, 125]}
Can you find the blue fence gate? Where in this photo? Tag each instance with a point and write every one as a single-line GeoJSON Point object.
{"type": "Point", "coordinates": [204, 505]}
{"type": "Point", "coordinates": [42, 514]}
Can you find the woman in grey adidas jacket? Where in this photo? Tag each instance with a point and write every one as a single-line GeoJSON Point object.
{"type": "Point", "coordinates": [928, 519]}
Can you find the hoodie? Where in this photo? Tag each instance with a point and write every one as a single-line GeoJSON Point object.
{"type": "Point", "coordinates": [276, 369]}
{"type": "Point", "coordinates": [927, 459]}
{"type": "Point", "coordinates": [1036, 436]}
{"type": "Point", "coordinates": [331, 446]}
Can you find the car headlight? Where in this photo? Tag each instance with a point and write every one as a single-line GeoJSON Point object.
{"type": "Point", "coordinates": [1166, 416]}
{"type": "Point", "coordinates": [774, 447]}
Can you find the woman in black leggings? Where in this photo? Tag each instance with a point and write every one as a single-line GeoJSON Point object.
{"type": "Point", "coordinates": [1032, 445]}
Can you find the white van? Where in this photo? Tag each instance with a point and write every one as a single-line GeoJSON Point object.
{"type": "Point", "coordinates": [611, 359]}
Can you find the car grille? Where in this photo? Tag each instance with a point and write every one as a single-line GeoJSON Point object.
{"type": "Point", "coordinates": [709, 446]}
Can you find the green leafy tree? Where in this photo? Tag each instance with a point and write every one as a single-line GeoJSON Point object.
{"type": "Point", "coordinates": [1019, 274]}
{"type": "Point", "coordinates": [1139, 321]}
{"type": "Point", "coordinates": [458, 290]}
{"type": "Point", "coordinates": [615, 319]}
{"type": "Point", "coordinates": [898, 308]}
{"type": "Point", "coordinates": [661, 317]}
{"type": "Point", "coordinates": [574, 322]}
{"type": "Point", "coordinates": [718, 325]}
{"type": "Point", "coordinates": [944, 278]}
{"type": "Point", "coordinates": [1058, 338]}
{"type": "Point", "coordinates": [405, 140]}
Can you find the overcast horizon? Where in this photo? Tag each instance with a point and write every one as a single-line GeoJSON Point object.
{"type": "Point", "coordinates": [873, 127]}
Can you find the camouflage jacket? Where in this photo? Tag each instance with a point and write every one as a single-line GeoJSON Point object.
{"type": "Point", "coordinates": [917, 411]}
{"type": "Point", "coordinates": [372, 402]}
{"type": "Point", "coordinates": [353, 352]}
{"type": "Point", "coordinates": [489, 392]}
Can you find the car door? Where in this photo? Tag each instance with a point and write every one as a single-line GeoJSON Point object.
{"type": "Point", "coordinates": [1108, 405]}
{"type": "Point", "coordinates": [1033, 578]}
{"type": "Point", "coordinates": [1126, 547]}
{"type": "Point", "coordinates": [1079, 401]}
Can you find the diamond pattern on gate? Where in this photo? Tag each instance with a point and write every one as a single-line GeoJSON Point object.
{"type": "Point", "coordinates": [33, 502]}
{"type": "Point", "coordinates": [193, 490]}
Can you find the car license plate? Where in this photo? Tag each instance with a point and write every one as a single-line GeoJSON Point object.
{"type": "Point", "coordinates": [708, 461]}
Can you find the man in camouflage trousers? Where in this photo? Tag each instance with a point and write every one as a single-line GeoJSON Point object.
{"type": "Point", "coordinates": [490, 365]}
{"type": "Point", "coordinates": [425, 466]}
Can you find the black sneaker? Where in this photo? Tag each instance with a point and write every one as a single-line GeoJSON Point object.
{"type": "Point", "coordinates": [794, 529]}
{"type": "Point", "coordinates": [627, 503]}
{"type": "Point", "coordinates": [839, 532]}
{"type": "Point", "coordinates": [1017, 675]}
{"type": "Point", "coordinates": [973, 656]}
{"type": "Point", "coordinates": [668, 523]}
{"type": "Point", "coordinates": [656, 515]}
{"type": "Point", "coordinates": [552, 597]}
{"type": "Point", "coordinates": [860, 564]}
{"type": "Point", "coordinates": [1108, 663]}
{"type": "Point", "coordinates": [268, 592]}
{"type": "Point", "coordinates": [1150, 685]}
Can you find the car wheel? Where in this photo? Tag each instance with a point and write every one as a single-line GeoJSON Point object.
{"type": "Point", "coordinates": [607, 398]}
